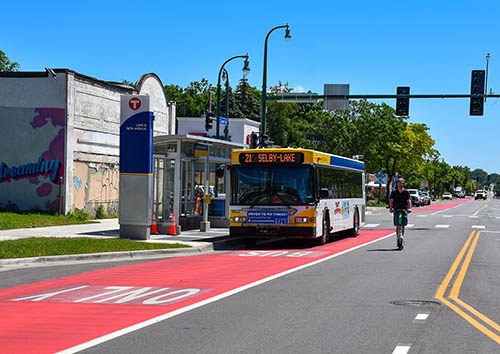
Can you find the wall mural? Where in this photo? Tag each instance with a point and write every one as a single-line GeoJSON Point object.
{"type": "Point", "coordinates": [32, 158]}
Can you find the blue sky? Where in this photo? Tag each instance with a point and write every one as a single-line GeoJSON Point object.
{"type": "Point", "coordinates": [373, 46]}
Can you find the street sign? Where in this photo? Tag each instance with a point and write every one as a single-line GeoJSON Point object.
{"type": "Point", "coordinates": [222, 121]}
{"type": "Point", "coordinates": [380, 177]}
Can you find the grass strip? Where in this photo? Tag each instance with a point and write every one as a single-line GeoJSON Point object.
{"type": "Point", "coordinates": [53, 246]}
{"type": "Point", "coordinates": [17, 220]}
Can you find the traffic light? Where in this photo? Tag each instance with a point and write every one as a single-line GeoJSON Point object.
{"type": "Point", "coordinates": [477, 88]}
{"type": "Point", "coordinates": [253, 140]}
{"type": "Point", "coordinates": [263, 140]}
{"type": "Point", "coordinates": [402, 104]}
{"type": "Point", "coordinates": [208, 120]}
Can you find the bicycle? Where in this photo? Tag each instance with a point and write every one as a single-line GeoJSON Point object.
{"type": "Point", "coordinates": [400, 227]}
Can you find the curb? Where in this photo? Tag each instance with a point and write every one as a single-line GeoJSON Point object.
{"type": "Point", "coordinates": [107, 256]}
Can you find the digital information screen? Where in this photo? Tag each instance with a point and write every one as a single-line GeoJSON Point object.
{"type": "Point", "coordinates": [271, 157]}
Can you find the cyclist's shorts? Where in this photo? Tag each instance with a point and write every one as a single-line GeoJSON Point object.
{"type": "Point", "coordinates": [404, 219]}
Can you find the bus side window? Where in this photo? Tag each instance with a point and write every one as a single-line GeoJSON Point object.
{"type": "Point", "coordinates": [323, 193]}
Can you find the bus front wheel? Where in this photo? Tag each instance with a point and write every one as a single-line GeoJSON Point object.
{"type": "Point", "coordinates": [355, 223]}
{"type": "Point", "coordinates": [326, 232]}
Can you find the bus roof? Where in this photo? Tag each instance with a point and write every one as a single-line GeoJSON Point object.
{"type": "Point", "coordinates": [309, 157]}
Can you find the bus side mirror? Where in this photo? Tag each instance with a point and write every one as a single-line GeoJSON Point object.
{"type": "Point", "coordinates": [323, 193]}
{"type": "Point", "coordinates": [219, 173]}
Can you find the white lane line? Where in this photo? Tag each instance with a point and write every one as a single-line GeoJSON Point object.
{"type": "Point", "coordinates": [152, 321]}
{"type": "Point", "coordinates": [477, 212]}
{"type": "Point", "coordinates": [410, 225]}
{"type": "Point", "coordinates": [421, 216]}
{"type": "Point", "coordinates": [421, 317]}
{"type": "Point", "coordinates": [447, 216]}
{"type": "Point", "coordinates": [478, 227]}
{"type": "Point", "coordinates": [473, 216]}
{"type": "Point", "coordinates": [442, 226]}
{"type": "Point", "coordinates": [492, 232]}
{"type": "Point", "coordinates": [371, 225]}
{"type": "Point", "coordinates": [402, 349]}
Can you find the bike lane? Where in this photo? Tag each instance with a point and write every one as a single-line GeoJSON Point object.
{"type": "Point", "coordinates": [58, 314]}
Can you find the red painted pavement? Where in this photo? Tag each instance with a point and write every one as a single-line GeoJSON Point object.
{"type": "Point", "coordinates": [58, 322]}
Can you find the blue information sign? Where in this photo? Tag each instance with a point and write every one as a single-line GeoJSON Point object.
{"type": "Point", "coordinates": [136, 144]}
{"type": "Point", "coordinates": [222, 121]}
{"type": "Point", "coordinates": [267, 217]}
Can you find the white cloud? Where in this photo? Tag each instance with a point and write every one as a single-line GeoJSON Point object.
{"type": "Point", "coordinates": [299, 89]}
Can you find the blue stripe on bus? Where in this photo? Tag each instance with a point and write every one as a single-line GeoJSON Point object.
{"type": "Point", "coordinates": [343, 162]}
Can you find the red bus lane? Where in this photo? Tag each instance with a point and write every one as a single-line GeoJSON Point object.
{"type": "Point", "coordinates": [58, 314]}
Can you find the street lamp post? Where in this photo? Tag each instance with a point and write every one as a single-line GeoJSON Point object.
{"type": "Point", "coordinates": [246, 69]}
{"type": "Point", "coordinates": [264, 78]}
{"type": "Point", "coordinates": [226, 128]}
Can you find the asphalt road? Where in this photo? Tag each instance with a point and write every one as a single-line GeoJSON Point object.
{"type": "Point", "coordinates": [439, 295]}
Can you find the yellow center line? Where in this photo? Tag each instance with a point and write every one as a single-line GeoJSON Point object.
{"type": "Point", "coordinates": [478, 314]}
{"type": "Point", "coordinates": [472, 321]}
{"type": "Point", "coordinates": [460, 278]}
{"type": "Point", "coordinates": [456, 289]}
{"type": "Point", "coordinates": [442, 288]}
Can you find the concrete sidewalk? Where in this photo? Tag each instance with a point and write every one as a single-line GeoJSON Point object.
{"type": "Point", "coordinates": [198, 241]}
{"type": "Point", "coordinates": [105, 228]}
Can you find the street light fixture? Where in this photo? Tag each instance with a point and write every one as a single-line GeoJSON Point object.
{"type": "Point", "coordinates": [246, 70]}
{"type": "Point", "coordinates": [486, 76]}
{"type": "Point", "coordinates": [264, 78]}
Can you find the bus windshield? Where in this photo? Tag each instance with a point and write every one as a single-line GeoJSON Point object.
{"type": "Point", "coordinates": [268, 185]}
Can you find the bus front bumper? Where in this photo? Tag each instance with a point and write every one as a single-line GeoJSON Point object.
{"type": "Point", "coordinates": [266, 231]}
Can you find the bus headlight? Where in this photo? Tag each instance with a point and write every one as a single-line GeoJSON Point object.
{"type": "Point", "coordinates": [302, 220]}
{"type": "Point", "coordinates": [239, 219]}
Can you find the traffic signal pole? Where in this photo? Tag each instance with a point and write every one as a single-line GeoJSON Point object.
{"type": "Point", "coordinates": [315, 97]}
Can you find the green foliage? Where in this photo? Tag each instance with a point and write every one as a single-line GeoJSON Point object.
{"type": "Point", "coordinates": [79, 214]}
{"type": "Point", "coordinates": [387, 142]}
{"type": "Point", "coordinates": [101, 212]}
{"type": "Point", "coordinates": [6, 64]}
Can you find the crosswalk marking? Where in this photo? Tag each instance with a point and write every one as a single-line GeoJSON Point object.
{"type": "Point", "coordinates": [421, 216]}
{"type": "Point", "coordinates": [447, 216]}
{"type": "Point", "coordinates": [473, 216]}
{"type": "Point", "coordinates": [478, 227]}
{"type": "Point", "coordinates": [442, 226]}
{"type": "Point", "coordinates": [410, 225]}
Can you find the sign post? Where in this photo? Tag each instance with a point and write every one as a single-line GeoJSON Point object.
{"type": "Point", "coordinates": [136, 166]}
{"type": "Point", "coordinates": [381, 178]}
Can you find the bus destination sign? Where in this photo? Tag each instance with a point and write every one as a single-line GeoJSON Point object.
{"type": "Point", "coordinates": [271, 157]}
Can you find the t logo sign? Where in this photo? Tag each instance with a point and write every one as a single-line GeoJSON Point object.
{"type": "Point", "coordinates": [134, 103]}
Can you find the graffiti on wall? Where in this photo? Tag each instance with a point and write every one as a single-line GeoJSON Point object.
{"type": "Point", "coordinates": [94, 185]}
{"type": "Point", "coordinates": [31, 174]}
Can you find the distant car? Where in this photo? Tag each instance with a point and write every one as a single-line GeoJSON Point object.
{"type": "Point", "coordinates": [415, 197]}
{"type": "Point", "coordinates": [480, 194]}
{"type": "Point", "coordinates": [447, 195]}
{"type": "Point", "coordinates": [426, 198]}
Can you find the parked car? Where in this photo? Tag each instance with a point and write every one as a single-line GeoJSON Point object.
{"type": "Point", "coordinates": [480, 194]}
{"type": "Point", "coordinates": [447, 195]}
{"type": "Point", "coordinates": [425, 197]}
{"type": "Point", "coordinates": [415, 197]}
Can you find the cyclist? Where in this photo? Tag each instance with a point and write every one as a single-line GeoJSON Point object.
{"type": "Point", "coordinates": [399, 201]}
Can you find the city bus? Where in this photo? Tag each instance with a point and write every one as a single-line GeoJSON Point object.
{"type": "Point", "coordinates": [294, 193]}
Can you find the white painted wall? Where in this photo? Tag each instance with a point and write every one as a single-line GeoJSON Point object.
{"type": "Point", "coordinates": [239, 128]}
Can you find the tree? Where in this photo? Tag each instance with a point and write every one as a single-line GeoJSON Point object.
{"type": "Point", "coordinates": [6, 64]}
{"type": "Point", "coordinates": [247, 100]}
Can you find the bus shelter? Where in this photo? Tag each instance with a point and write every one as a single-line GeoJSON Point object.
{"type": "Point", "coordinates": [179, 180]}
